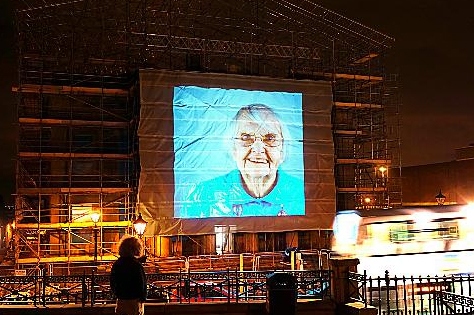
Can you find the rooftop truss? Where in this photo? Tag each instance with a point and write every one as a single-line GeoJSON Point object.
{"type": "Point", "coordinates": [113, 37]}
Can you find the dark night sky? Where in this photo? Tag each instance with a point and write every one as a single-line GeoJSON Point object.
{"type": "Point", "coordinates": [8, 78]}
{"type": "Point", "coordinates": [433, 55]}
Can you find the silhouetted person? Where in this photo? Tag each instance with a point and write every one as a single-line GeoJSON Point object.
{"type": "Point", "coordinates": [128, 279]}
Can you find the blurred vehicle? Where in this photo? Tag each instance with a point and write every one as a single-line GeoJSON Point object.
{"type": "Point", "coordinates": [432, 240]}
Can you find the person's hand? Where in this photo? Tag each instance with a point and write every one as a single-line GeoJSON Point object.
{"type": "Point", "coordinates": [142, 259]}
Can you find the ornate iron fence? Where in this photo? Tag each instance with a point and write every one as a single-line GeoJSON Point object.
{"type": "Point", "coordinates": [412, 295]}
{"type": "Point", "coordinates": [181, 287]}
{"type": "Point", "coordinates": [450, 303]}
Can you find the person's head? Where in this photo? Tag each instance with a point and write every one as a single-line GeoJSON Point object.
{"type": "Point", "coordinates": [130, 246]}
{"type": "Point", "coordinates": [258, 141]}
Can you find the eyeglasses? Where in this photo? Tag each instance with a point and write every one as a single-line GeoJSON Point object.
{"type": "Point", "coordinates": [269, 140]}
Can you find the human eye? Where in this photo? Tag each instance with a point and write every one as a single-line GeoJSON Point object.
{"type": "Point", "coordinates": [247, 138]}
{"type": "Point", "coordinates": [270, 138]}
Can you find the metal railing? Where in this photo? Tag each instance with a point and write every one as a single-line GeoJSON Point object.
{"type": "Point", "coordinates": [412, 295]}
{"type": "Point", "coordinates": [181, 287]}
{"type": "Point", "coordinates": [450, 303]}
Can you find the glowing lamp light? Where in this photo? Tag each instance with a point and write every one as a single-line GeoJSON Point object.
{"type": "Point", "coordinates": [139, 225]}
{"type": "Point", "coordinates": [95, 216]}
{"type": "Point", "coordinates": [382, 170]}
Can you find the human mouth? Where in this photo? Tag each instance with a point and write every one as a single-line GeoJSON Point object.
{"type": "Point", "coordinates": [258, 160]}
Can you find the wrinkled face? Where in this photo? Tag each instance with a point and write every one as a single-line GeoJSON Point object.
{"type": "Point", "coordinates": [258, 147]}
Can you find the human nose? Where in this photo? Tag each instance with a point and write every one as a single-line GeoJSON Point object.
{"type": "Point", "coordinates": [258, 146]}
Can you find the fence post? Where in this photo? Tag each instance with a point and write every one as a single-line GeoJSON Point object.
{"type": "Point", "coordinates": [229, 289]}
{"type": "Point", "coordinates": [37, 289]}
{"type": "Point", "coordinates": [92, 288]}
{"type": "Point", "coordinates": [44, 281]}
{"type": "Point", "coordinates": [340, 284]}
{"type": "Point", "coordinates": [84, 289]}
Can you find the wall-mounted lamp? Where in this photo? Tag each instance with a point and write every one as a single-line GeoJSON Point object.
{"type": "Point", "coordinates": [440, 198]}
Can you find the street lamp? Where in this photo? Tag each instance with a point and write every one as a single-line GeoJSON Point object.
{"type": "Point", "coordinates": [95, 216]}
{"type": "Point", "coordinates": [440, 198]}
{"type": "Point", "coordinates": [139, 225]}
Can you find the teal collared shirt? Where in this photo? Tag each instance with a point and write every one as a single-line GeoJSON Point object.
{"type": "Point", "coordinates": [224, 196]}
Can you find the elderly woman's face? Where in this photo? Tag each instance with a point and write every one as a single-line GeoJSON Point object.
{"type": "Point", "coordinates": [258, 148]}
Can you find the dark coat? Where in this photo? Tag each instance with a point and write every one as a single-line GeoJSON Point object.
{"type": "Point", "coordinates": [128, 279]}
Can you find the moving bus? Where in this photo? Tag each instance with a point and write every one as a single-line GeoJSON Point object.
{"type": "Point", "coordinates": [431, 240]}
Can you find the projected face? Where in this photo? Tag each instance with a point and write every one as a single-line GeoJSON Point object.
{"type": "Point", "coordinates": [258, 147]}
{"type": "Point", "coordinates": [237, 153]}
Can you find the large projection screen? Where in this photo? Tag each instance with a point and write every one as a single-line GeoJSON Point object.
{"type": "Point", "coordinates": [252, 153]}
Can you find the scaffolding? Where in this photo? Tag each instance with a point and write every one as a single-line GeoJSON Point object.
{"type": "Point", "coordinates": [78, 104]}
